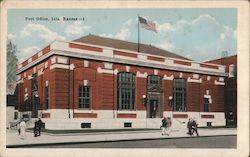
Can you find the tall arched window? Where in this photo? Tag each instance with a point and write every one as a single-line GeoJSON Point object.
{"type": "Point", "coordinates": [231, 72]}
{"type": "Point", "coordinates": [179, 93]}
{"type": "Point", "coordinates": [126, 91]}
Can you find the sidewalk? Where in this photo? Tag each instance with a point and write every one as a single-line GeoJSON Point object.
{"type": "Point", "coordinates": [13, 139]}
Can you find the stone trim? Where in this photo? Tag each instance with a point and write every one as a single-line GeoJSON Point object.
{"type": "Point", "coordinates": [30, 77]}
{"type": "Point", "coordinates": [40, 72]}
{"type": "Point", "coordinates": [141, 75]}
{"type": "Point", "coordinates": [194, 80]}
{"type": "Point", "coordinates": [165, 77]}
{"type": "Point", "coordinates": [219, 83]}
{"type": "Point", "coordinates": [29, 60]}
{"type": "Point", "coordinates": [107, 71]}
{"type": "Point", "coordinates": [61, 66]}
{"type": "Point", "coordinates": [66, 51]}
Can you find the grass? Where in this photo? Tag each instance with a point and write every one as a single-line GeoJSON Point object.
{"type": "Point", "coordinates": [217, 127]}
{"type": "Point", "coordinates": [90, 130]}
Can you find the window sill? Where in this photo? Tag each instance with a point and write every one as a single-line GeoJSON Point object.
{"type": "Point", "coordinates": [127, 111]}
{"type": "Point", "coordinates": [45, 111]}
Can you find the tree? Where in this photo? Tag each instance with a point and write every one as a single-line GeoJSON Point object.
{"type": "Point", "coordinates": [12, 62]}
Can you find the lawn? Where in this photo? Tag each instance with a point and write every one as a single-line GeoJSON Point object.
{"type": "Point", "coordinates": [217, 127]}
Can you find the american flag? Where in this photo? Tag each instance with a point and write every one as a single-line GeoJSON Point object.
{"type": "Point", "coordinates": [149, 25]}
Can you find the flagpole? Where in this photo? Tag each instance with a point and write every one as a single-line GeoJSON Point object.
{"type": "Point", "coordinates": [138, 44]}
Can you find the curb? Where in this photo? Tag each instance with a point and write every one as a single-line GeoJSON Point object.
{"type": "Point", "coordinates": [110, 132]}
{"type": "Point", "coordinates": [107, 141]}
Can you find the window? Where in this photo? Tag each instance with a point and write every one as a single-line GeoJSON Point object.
{"type": "Point", "coordinates": [84, 97]}
{"type": "Point", "coordinates": [209, 124]}
{"type": "Point", "coordinates": [85, 125]}
{"type": "Point", "coordinates": [126, 91]}
{"type": "Point", "coordinates": [15, 115]}
{"type": "Point", "coordinates": [34, 82]}
{"type": "Point", "coordinates": [154, 81]}
{"type": "Point", "coordinates": [231, 70]}
{"type": "Point", "coordinates": [206, 105]}
{"type": "Point", "coordinates": [46, 99]}
{"type": "Point", "coordinates": [127, 125]}
{"type": "Point", "coordinates": [179, 89]}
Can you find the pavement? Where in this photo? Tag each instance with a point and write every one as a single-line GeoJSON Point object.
{"type": "Point", "coordinates": [13, 139]}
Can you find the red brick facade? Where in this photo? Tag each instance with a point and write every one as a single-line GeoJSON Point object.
{"type": "Point", "coordinates": [230, 89]}
{"type": "Point", "coordinates": [104, 87]}
{"type": "Point", "coordinates": [98, 68]}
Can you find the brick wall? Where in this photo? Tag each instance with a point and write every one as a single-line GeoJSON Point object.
{"type": "Point", "coordinates": [194, 95]}
{"type": "Point", "coordinates": [168, 91]}
{"type": "Point", "coordinates": [141, 90]}
{"type": "Point", "coordinates": [104, 87]}
{"type": "Point", "coordinates": [226, 61]}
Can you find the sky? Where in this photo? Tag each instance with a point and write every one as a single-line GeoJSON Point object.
{"type": "Point", "coordinates": [198, 34]}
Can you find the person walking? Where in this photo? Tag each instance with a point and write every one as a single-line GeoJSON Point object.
{"type": "Point", "coordinates": [169, 124]}
{"type": "Point", "coordinates": [22, 129]}
{"type": "Point", "coordinates": [35, 129]}
{"type": "Point", "coordinates": [189, 126]}
{"type": "Point", "coordinates": [164, 126]}
{"type": "Point", "coordinates": [18, 127]}
{"type": "Point", "coordinates": [39, 125]}
{"type": "Point", "coordinates": [194, 128]}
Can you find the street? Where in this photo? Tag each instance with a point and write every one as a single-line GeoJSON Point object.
{"type": "Point", "coordinates": [194, 142]}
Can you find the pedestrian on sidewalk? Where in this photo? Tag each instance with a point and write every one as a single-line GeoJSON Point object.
{"type": "Point", "coordinates": [18, 128]}
{"type": "Point", "coordinates": [22, 129]}
{"type": "Point", "coordinates": [164, 126]}
{"type": "Point", "coordinates": [189, 126]}
{"type": "Point", "coordinates": [39, 125]}
{"type": "Point", "coordinates": [35, 129]}
{"type": "Point", "coordinates": [169, 124]}
{"type": "Point", "coordinates": [194, 127]}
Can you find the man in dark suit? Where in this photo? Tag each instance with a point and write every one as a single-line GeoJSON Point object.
{"type": "Point", "coordinates": [39, 126]}
{"type": "Point", "coordinates": [194, 127]}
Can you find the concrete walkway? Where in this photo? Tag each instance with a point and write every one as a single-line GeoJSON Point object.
{"type": "Point", "coordinates": [13, 139]}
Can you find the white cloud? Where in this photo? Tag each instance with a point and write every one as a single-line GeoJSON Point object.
{"type": "Point", "coordinates": [128, 23]}
{"type": "Point", "coordinates": [204, 17]}
{"type": "Point", "coordinates": [11, 36]}
{"type": "Point", "coordinates": [222, 36]}
{"type": "Point", "coordinates": [43, 32]}
{"type": "Point", "coordinates": [166, 46]}
{"type": "Point", "coordinates": [188, 55]}
{"type": "Point", "coordinates": [163, 27]}
{"type": "Point", "coordinates": [123, 33]}
{"type": "Point", "coordinates": [228, 33]}
{"type": "Point", "coordinates": [107, 35]}
{"type": "Point", "coordinates": [198, 39]}
{"type": "Point", "coordinates": [201, 19]}
{"type": "Point", "coordinates": [29, 51]}
{"type": "Point", "coordinates": [76, 28]}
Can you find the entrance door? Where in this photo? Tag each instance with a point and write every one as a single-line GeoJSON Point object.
{"type": "Point", "coordinates": [153, 108]}
{"type": "Point", "coordinates": [206, 105]}
{"type": "Point", "coordinates": [34, 98]}
{"type": "Point", "coordinates": [34, 104]}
